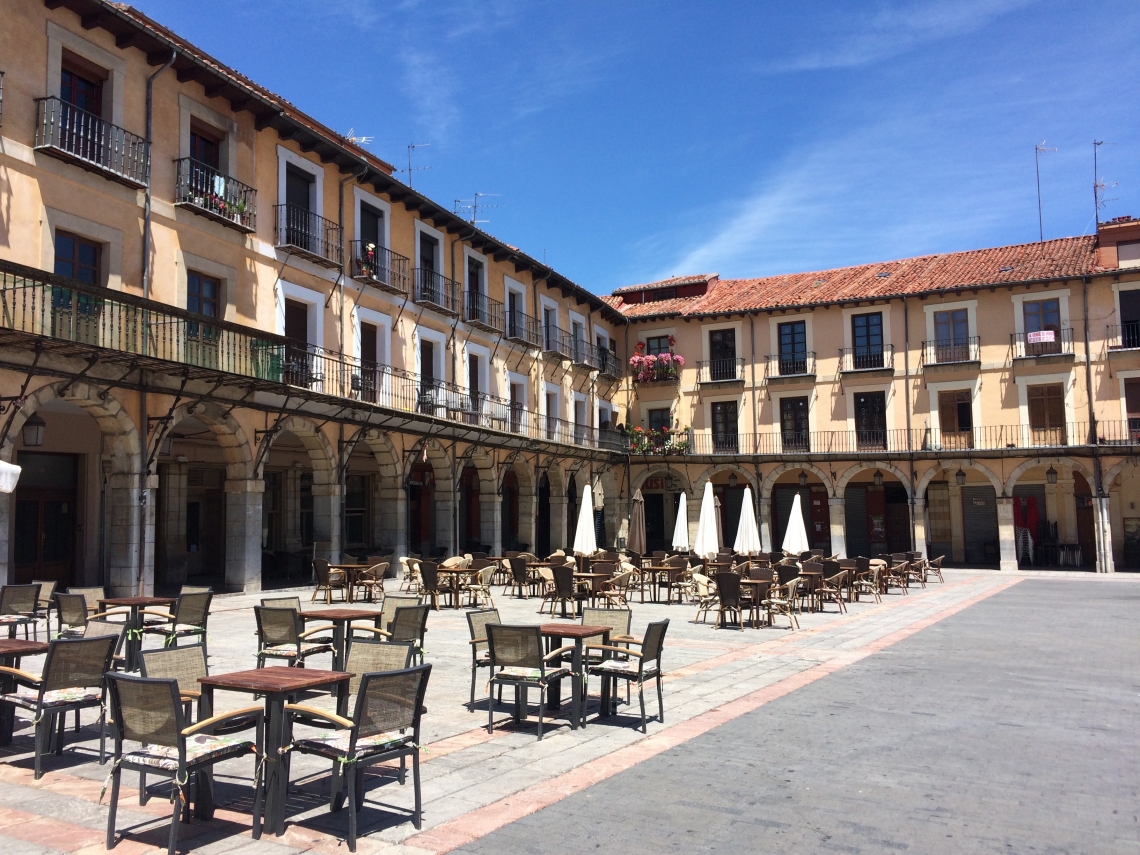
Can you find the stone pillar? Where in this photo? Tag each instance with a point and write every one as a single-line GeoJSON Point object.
{"type": "Point", "coordinates": [327, 499]}
{"type": "Point", "coordinates": [243, 534]}
{"type": "Point", "coordinates": [919, 511]}
{"type": "Point", "coordinates": [491, 522]}
{"type": "Point", "coordinates": [558, 522]}
{"type": "Point", "coordinates": [766, 525]}
{"type": "Point", "coordinates": [1104, 561]}
{"type": "Point", "coordinates": [126, 506]}
{"type": "Point", "coordinates": [957, 527]}
{"type": "Point", "coordinates": [5, 543]}
{"type": "Point", "coordinates": [1066, 508]}
{"type": "Point", "coordinates": [390, 515]}
{"type": "Point", "coordinates": [1007, 546]}
{"type": "Point", "coordinates": [835, 508]}
{"type": "Point", "coordinates": [615, 520]}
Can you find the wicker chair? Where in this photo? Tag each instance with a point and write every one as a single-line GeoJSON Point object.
{"type": "Point", "coordinates": [370, 582]}
{"type": "Point", "coordinates": [706, 597]}
{"type": "Point", "coordinates": [915, 571]}
{"type": "Point", "coordinates": [479, 588]}
{"type": "Point", "coordinates": [867, 580]}
{"type": "Point", "coordinates": [72, 679]}
{"type": "Point", "coordinates": [615, 592]}
{"type": "Point", "coordinates": [517, 660]}
{"type": "Point", "coordinates": [366, 656]}
{"type": "Point", "coordinates": [329, 580]}
{"type": "Point", "coordinates": [782, 600]}
{"type": "Point", "coordinates": [385, 726]}
{"type": "Point", "coordinates": [480, 654]}
{"type": "Point", "coordinates": [195, 589]}
{"type": "Point", "coordinates": [182, 664]}
{"type": "Point", "coordinates": [294, 603]}
{"type": "Point", "coordinates": [410, 583]}
{"type": "Point", "coordinates": [638, 665]}
{"type": "Point", "coordinates": [18, 607]}
{"type": "Point", "coordinates": [520, 577]}
{"type": "Point", "coordinates": [619, 622]}
{"type": "Point", "coordinates": [191, 613]}
{"type": "Point", "coordinates": [728, 598]}
{"type": "Point", "coordinates": [432, 587]}
{"type": "Point", "coordinates": [71, 615]}
{"type": "Point", "coordinates": [565, 590]}
{"type": "Point", "coordinates": [149, 711]}
{"type": "Point", "coordinates": [408, 626]}
{"type": "Point", "coordinates": [281, 635]}
{"type": "Point", "coordinates": [934, 568]}
{"type": "Point", "coordinates": [830, 589]}
{"type": "Point", "coordinates": [896, 577]}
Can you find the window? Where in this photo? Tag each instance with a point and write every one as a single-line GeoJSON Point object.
{"type": "Point", "coordinates": [203, 293]}
{"type": "Point", "coordinates": [477, 308]}
{"type": "Point", "coordinates": [80, 88]}
{"type": "Point", "coordinates": [297, 361]}
{"type": "Point", "coordinates": [724, 426]}
{"type": "Point", "coordinates": [1132, 407]}
{"type": "Point", "coordinates": [551, 415]}
{"type": "Point", "coordinates": [581, 424]}
{"type": "Point", "coordinates": [871, 420]}
{"type": "Point", "coordinates": [722, 355]}
{"type": "Point", "coordinates": [657, 344]}
{"type": "Point", "coordinates": [473, 388]}
{"type": "Point", "coordinates": [605, 417]}
{"type": "Point", "coordinates": [1130, 318]}
{"type": "Point", "coordinates": [356, 492]}
{"type": "Point", "coordinates": [577, 339]}
{"type": "Point", "coordinates": [272, 537]}
{"type": "Point", "coordinates": [952, 336]}
{"type": "Point", "coordinates": [659, 295]}
{"type": "Point", "coordinates": [298, 187]}
{"type": "Point", "coordinates": [1042, 316]}
{"type": "Point", "coordinates": [300, 228]}
{"type": "Point", "coordinates": [205, 148]}
{"type": "Point", "coordinates": [1046, 413]}
{"type": "Point", "coordinates": [517, 407]}
{"type": "Point", "coordinates": [956, 418]}
{"type": "Point", "coordinates": [371, 226]}
{"type": "Point", "coordinates": [867, 338]}
{"type": "Point", "coordinates": [429, 250]}
{"type": "Point", "coordinates": [369, 359]}
{"type": "Point", "coordinates": [77, 258]}
{"type": "Point", "coordinates": [794, 423]}
{"type": "Point", "coordinates": [659, 419]}
{"type": "Point", "coordinates": [80, 129]}
{"type": "Point", "coordinates": [793, 347]}
{"type": "Point", "coordinates": [474, 275]}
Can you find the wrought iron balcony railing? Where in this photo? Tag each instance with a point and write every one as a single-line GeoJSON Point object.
{"type": "Point", "coordinates": [436, 290]}
{"type": "Point", "coordinates": [659, 372]}
{"type": "Point", "coordinates": [1043, 343]}
{"type": "Point", "coordinates": [607, 363]}
{"type": "Point", "coordinates": [483, 311]}
{"type": "Point", "coordinates": [1126, 336]}
{"type": "Point", "coordinates": [867, 358]}
{"type": "Point", "coordinates": [522, 327]}
{"type": "Point", "coordinates": [557, 341]}
{"type": "Point", "coordinates": [720, 371]}
{"type": "Point", "coordinates": [213, 194]}
{"type": "Point", "coordinates": [380, 267]}
{"type": "Point", "coordinates": [949, 351]}
{"type": "Point", "coordinates": [303, 233]}
{"type": "Point", "coordinates": [801, 364]}
{"type": "Point", "coordinates": [69, 133]}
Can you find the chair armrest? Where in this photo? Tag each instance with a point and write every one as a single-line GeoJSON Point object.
{"type": "Point", "coordinates": [306, 633]}
{"type": "Point", "coordinates": [564, 649]}
{"type": "Point", "coordinates": [190, 694]}
{"type": "Point", "coordinates": [21, 675]}
{"type": "Point", "coordinates": [316, 713]}
{"type": "Point", "coordinates": [157, 613]}
{"type": "Point", "coordinates": [108, 613]}
{"type": "Point", "coordinates": [628, 639]}
{"type": "Point", "coordinates": [373, 630]}
{"type": "Point", "coordinates": [477, 641]}
{"type": "Point", "coordinates": [218, 719]}
{"type": "Point", "coordinates": [624, 650]}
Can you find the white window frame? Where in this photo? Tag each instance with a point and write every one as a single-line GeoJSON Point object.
{"type": "Point", "coordinates": [189, 109]}
{"type": "Point", "coordinates": [777, 423]}
{"type": "Point", "coordinates": [286, 157]}
{"type": "Point", "coordinates": [484, 286]}
{"type": "Point", "coordinates": [971, 307]}
{"type": "Point", "coordinates": [580, 398]}
{"type": "Point", "coordinates": [361, 315]}
{"type": "Point", "coordinates": [514, 286]}
{"type": "Point", "coordinates": [1068, 379]}
{"type": "Point", "coordinates": [484, 356]}
{"type": "Point", "coordinates": [601, 331]}
{"type": "Point", "coordinates": [598, 407]}
{"type": "Point", "coordinates": [884, 310]}
{"type": "Point", "coordinates": [423, 228]}
{"type": "Point", "coordinates": [888, 388]}
{"type": "Point", "coordinates": [115, 65]}
{"type": "Point", "coordinates": [576, 318]}
{"type": "Point", "coordinates": [314, 299]}
{"type": "Point", "coordinates": [227, 277]}
{"type": "Point", "coordinates": [975, 387]}
{"type": "Point", "coordinates": [1122, 376]}
{"type": "Point", "coordinates": [774, 330]}
{"type": "Point", "coordinates": [1062, 297]}
{"type": "Point", "coordinates": [549, 389]}
{"type": "Point", "coordinates": [514, 378]}
{"type": "Point", "coordinates": [439, 339]}
{"type": "Point", "coordinates": [360, 196]}
{"type": "Point", "coordinates": [1117, 287]}
{"type": "Point", "coordinates": [644, 335]}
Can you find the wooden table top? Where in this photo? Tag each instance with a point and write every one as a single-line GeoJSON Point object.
{"type": "Point", "coordinates": [339, 614]}
{"type": "Point", "coordinates": [573, 630]}
{"type": "Point", "coordinates": [352, 566]}
{"type": "Point", "coordinates": [591, 575]}
{"type": "Point", "coordinates": [276, 679]}
{"type": "Point", "coordinates": [20, 647]}
{"type": "Point", "coordinates": [456, 570]}
{"type": "Point", "coordinates": [137, 601]}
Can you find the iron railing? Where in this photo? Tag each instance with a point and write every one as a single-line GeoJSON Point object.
{"type": "Point", "coordinates": [1044, 343]}
{"type": "Point", "coordinates": [304, 233]}
{"type": "Point", "coordinates": [436, 290]}
{"type": "Point", "coordinates": [947, 351]}
{"type": "Point", "coordinates": [522, 327]}
{"type": "Point", "coordinates": [800, 364]}
{"type": "Point", "coordinates": [867, 358]}
{"type": "Point", "coordinates": [1124, 337]}
{"type": "Point", "coordinates": [379, 266]}
{"type": "Point", "coordinates": [720, 371]}
{"type": "Point", "coordinates": [581, 352]}
{"type": "Point", "coordinates": [557, 340]}
{"type": "Point", "coordinates": [607, 363]}
{"type": "Point", "coordinates": [206, 191]}
{"type": "Point", "coordinates": [67, 132]}
{"type": "Point", "coordinates": [658, 372]}
{"type": "Point", "coordinates": [483, 311]}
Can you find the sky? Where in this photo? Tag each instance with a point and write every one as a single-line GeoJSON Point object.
{"type": "Point", "coordinates": [628, 142]}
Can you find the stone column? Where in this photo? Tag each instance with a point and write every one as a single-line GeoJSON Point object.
{"type": "Point", "coordinates": [1104, 560]}
{"type": "Point", "coordinates": [1067, 507]}
{"type": "Point", "coordinates": [919, 511]}
{"type": "Point", "coordinates": [835, 509]}
{"type": "Point", "coordinates": [1007, 545]}
{"type": "Point", "coordinates": [491, 517]}
{"type": "Point", "coordinates": [766, 525]}
{"type": "Point", "coordinates": [326, 520]}
{"type": "Point", "coordinates": [243, 534]}
{"type": "Point", "coordinates": [558, 522]}
{"type": "Point", "coordinates": [957, 527]}
{"type": "Point", "coordinates": [126, 506]}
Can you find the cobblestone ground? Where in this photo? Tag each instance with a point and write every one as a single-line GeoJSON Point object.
{"type": "Point", "coordinates": [996, 712]}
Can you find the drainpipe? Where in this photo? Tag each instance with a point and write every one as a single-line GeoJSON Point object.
{"type": "Point", "coordinates": [143, 418]}
{"type": "Point", "coordinates": [1103, 545]}
{"type": "Point", "coordinates": [909, 438]}
{"type": "Point", "coordinates": [755, 410]}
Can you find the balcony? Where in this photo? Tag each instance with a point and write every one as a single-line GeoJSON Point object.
{"type": "Point", "coordinates": [557, 341]}
{"type": "Point", "coordinates": [581, 353]}
{"type": "Point", "coordinates": [212, 194]}
{"type": "Point", "coordinates": [82, 138]}
{"type": "Point", "coordinates": [301, 232]}
{"type": "Point", "coordinates": [656, 368]}
{"type": "Point", "coordinates": [1124, 337]}
{"type": "Point", "coordinates": [436, 291]}
{"type": "Point", "coordinates": [483, 312]}
{"type": "Point", "coordinates": [379, 267]}
{"type": "Point", "coordinates": [607, 364]}
{"type": "Point", "coordinates": [663, 441]}
{"type": "Point", "coordinates": [790, 366]}
{"type": "Point", "coordinates": [867, 358]}
{"type": "Point", "coordinates": [522, 327]}
{"type": "Point", "coordinates": [951, 351]}
{"type": "Point", "coordinates": [1054, 345]}
{"type": "Point", "coordinates": [720, 371]}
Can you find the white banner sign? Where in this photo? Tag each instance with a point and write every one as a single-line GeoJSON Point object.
{"type": "Point", "coordinates": [1042, 336]}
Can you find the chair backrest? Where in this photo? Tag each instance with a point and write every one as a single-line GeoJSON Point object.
{"type": "Point", "coordinates": [477, 622]}
{"type": "Point", "coordinates": [47, 590]}
{"type": "Point", "coordinates": [514, 646]}
{"type": "Point", "coordinates": [78, 663]}
{"type": "Point", "coordinates": [366, 656]}
{"type": "Point", "coordinates": [831, 566]}
{"type": "Point", "coordinates": [377, 571]}
{"type": "Point", "coordinates": [862, 564]}
{"type": "Point", "coordinates": [659, 555]}
{"type": "Point", "coordinates": [391, 701]}
{"type": "Point", "coordinates": [621, 581]}
{"type": "Point", "coordinates": [899, 557]}
{"type": "Point", "coordinates": [654, 640]}
{"type": "Point", "coordinates": [19, 599]}
{"type": "Point", "coordinates": [71, 610]}
{"type": "Point", "coordinates": [547, 574]}
{"type": "Point", "coordinates": [182, 664]}
{"type": "Point", "coordinates": [776, 557]}
{"type": "Point", "coordinates": [701, 584]}
{"type": "Point", "coordinates": [106, 629]}
{"type": "Point", "coordinates": [293, 603]}
{"type": "Point", "coordinates": [728, 587]}
{"type": "Point", "coordinates": [429, 576]}
{"type": "Point", "coordinates": [518, 570]}
{"type": "Point", "coordinates": [813, 567]}
{"type": "Point", "coordinates": [277, 626]}
{"type": "Point", "coordinates": [606, 567]}
{"type": "Point", "coordinates": [486, 575]}
{"type": "Point", "coordinates": [765, 573]}
{"type": "Point", "coordinates": [193, 609]}
{"type": "Point", "coordinates": [564, 582]}
{"type": "Point", "coordinates": [391, 603]}
{"type": "Point", "coordinates": [409, 623]}
{"type": "Point", "coordinates": [936, 562]}
{"type": "Point", "coordinates": [785, 572]}
{"type": "Point", "coordinates": [146, 710]}
{"type": "Point", "coordinates": [838, 580]}
{"type": "Point", "coordinates": [92, 595]}
{"type": "Point", "coordinates": [321, 570]}
{"type": "Point", "coordinates": [618, 620]}
{"type": "Point", "coordinates": [195, 589]}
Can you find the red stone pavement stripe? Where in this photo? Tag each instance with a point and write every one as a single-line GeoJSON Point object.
{"type": "Point", "coordinates": [482, 821]}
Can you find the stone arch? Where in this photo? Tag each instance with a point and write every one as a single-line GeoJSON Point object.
{"type": "Point", "coordinates": [770, 479]}
{"type": "Point", "coordinates": [555, 523]}
{"type": "Point", "coordinates": [527, 498]}
{"type": "Point", "coordinates": [639, 479]}
{"type": "Point", "coordinates": [707, 475]}
{"type": "Point", "coordinates": [950, 465]}
{"type": "Point", "coordinates": [435, 455]}
{"type": "Point", "coordinates": [1015, 475]}
{"type": "Point", "coordinates": [1114, 472]}
{"type": "Point", "coordinates": [230, 436]}
{"type": "Point", "coordinates": [389, 520]}
{"type": "Point", "coordinates": [319, 449]}
{"type": "Point", "coordinates": [862, 466]}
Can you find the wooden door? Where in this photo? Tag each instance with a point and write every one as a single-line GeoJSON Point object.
{"type": "Point", "coordinates": [45, 536]}
{"type": "Point", "coordinates": [656, 537]}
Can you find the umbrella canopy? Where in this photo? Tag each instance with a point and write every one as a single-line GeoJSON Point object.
{"type": "Point", "coordinates": [706, 545]}
{"type": "Point", "coordinates": [681, 529]}
{"type": "Point", "coordinates": [636, 540]}
{"type": "Point", "coordinates": [747, 537]}
{"type": "Point", "coordinates": [719, 508]}
{"type": "Point", "coordinates": [795, 538]}
{"type": "Point", "coordinates": [585, 543]}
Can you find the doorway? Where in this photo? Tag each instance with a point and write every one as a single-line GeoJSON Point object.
{"type": "Point", "coordinates": [542, 530]}
{"type": "Point", "coordinates": [421, 508]}
{"type": "Point", "coordinates": [44, 545]}
{"type": "Point", "coordinates": [655, 535]}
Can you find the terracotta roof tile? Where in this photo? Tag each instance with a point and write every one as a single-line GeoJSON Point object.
{"type": "Point", "coordinates": [675, 306]}
{"type": "Point", "coordinates": [672, 282]}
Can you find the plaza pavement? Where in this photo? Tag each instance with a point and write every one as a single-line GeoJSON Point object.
{"type": "Point", "coordinates": [995, 712]}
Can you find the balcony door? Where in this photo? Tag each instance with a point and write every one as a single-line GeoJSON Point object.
{"type": "Point", "coordinates": [514, 312]}
{"type": "Point", "coordinates": [867, 339]}
{"type": "Point", "coordinates": [299, 228]}
{"type": "Point", "coordinates": [476, 301]}
{"type": "Point", "coordinates": [1046, 413]}
{"type": "Point", "coordinates": [793, 347]}
{"type": "Point", "coordinates": [956, 418]}
{"type": "Point", "coordinates": [369, 361]}
{"type": "Point", "coordinates": [952, 336]}
{"type": "Point", "coordinates": [725, 420]}
{"type": "Point", "coordinates": [794, 423]}
{"type": "Point", "coordinates": [298, 367]}
{"type": "Point", "coordinates": [1130, 318]}
{"type": "Point", "coordinates": [203, 295]}
{"type": "Point", "coordinates": [871, 420]}
{"type": "Point", "coordinates": [1042, 327]}
{"type": "Point", "coordinates": [1132, 407]}
{"type": "Point", "coordinates": [722, 355]}
{"type": "Point", "coordinates": [82, 132]}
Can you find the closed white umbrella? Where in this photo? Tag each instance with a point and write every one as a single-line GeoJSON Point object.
{"type": "Point", "coordinates": [795, 538]}
{"type": "Point", "coordinates": [585, 543]}
{"type": "Point", "coordinates": [681, 528]}
{"type": "Point", "coordinates": [706, 545]}
{"type": "Point", "coordinates": [747, 537]}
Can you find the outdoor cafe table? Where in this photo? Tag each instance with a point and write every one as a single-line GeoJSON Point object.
{"type": "Point", "coordinates": [11, 649]}
{"type": "Point", "coordinates": [457, 573]}
{"type": "Point", "coordinates": [340, 619]}
{"type": "Point", "coordinates": [134, 621]}
{"type": "Point", "coordinates": [759, 591]}
{"type": "Point", "coordinates": [351, 571]}
{"type": "Point", "coordinates": [655, 570]}
{"type": "Point", "coordinates": [578, 633]}
{"type": "Point", "coordinates": [277, 684]}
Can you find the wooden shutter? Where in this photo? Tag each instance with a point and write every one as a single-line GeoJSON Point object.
{"type": "Point", "coordinates": [948, 411]}
{"type": "Point", "coordinates": [1132, 397]}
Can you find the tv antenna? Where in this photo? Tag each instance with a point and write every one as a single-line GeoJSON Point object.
{"type": "Point", "coordinates": [463, 207]}
{"type": "Point", "coordinates": [1099, 184]}
{"type": "Point", "coordinates": [1038, 150]}
{"type": "Point", "coordinates": [353, 138]}
{"type": "Point", "coordinates": [412, 147]}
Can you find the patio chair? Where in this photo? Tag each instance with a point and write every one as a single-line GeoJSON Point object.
{"type": "Point", "coordinates": [520, 577]}
{"type": "Point", "coordinates": [18, 607]}
{"type": "Point", "coordinates": [409, 626]}
{"type": "Point", "coordinates": [479, 588]}
{"type": "Point", "coordinates": [934, 568]}
{"type": "Point", "coordinates": [91, 595]}
{"type": "Point", "coordinates": [72, 679]}
{"type": "Point", "coordinates": [370, 583]}
{"type": "Point", "coordinates": [188, 620]}
{"type": "Point", "coordinates": [830, 589]}
{"type": "Point", "coordinates": [615, 592]}
{"type": "Point", "coordinates": [915, 572]}
{"type": "Point", "coordinates": [517, 660]}
{"type": "Point", "coordinates": [480, 653]}
{"type": "Point", "coordinates": [329, 580]}
{"type": "Point", "coordinates": [281, 635]}
{"type": "Point", "coordinates": [896, 577]}
{"type": "Point", "coordinates": [433, 587]}
{"type": "Point", "coordinates": [782, 600]}
{"type": "Point", "coordinates": [410, 581]}
{"type": "Point", "coordinates": [565, 590]}
{"type": "Point", "coordinates": [184, 665]}
{"type": "Point", "coordinates": [44, 602]}
{"type": "Point", "coordinates": [195, 589]}
{"type": "Point", "coordinates": [149, 711]}
{"type": "Point", "coordinates": [97, 628]}
{"type": "Point", "coordinates": [706, 597]}
{"type": "Point", "coordinates": [640, 666]}
{"type": "Point", "coordinates": [294, 603]}
{"type": "Point", "coordinates": [867, 580]}
{"type": "Point", "coordinates": [70, 615]}
{"type": "Point", "coordinates": [384, 726]}
{"type": "Point", "coordinates": [728, 598]}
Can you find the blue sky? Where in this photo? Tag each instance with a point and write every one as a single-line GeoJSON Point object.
{"type": "Point", "coordinates": [631, 141]}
